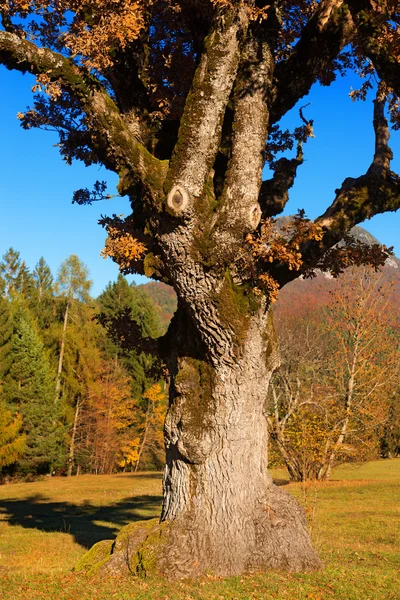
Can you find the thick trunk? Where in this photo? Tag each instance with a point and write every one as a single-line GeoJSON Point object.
{"type": "Point", "coordinates": [228, 516]}
{"type": "Point", "coordinates": [221, 512]}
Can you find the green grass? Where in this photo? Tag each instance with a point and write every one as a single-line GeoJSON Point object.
{"type": "Point", "coordinates": [46, 526]}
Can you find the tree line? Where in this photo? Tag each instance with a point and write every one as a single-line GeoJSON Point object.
{"type": "Point", "coordinates": [73, 398]}
{"type": "Point", "coordinates": [77, 395]}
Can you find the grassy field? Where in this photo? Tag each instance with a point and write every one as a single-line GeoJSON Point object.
{"type": "Point", "coordinates": [47, 525]}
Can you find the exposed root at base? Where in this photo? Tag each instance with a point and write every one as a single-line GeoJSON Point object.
{"type": "Point", "coordinates": [186, 548]}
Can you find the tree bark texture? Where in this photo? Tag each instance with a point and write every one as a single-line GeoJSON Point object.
{"type": "Point", "coordinates": [221, 512]}
{"type": "Point", "coordinates": [228, 516]}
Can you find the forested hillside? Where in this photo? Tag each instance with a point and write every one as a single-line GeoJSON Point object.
{"type": "Point", "coordinates": [336, 396]}
{"type": "Point", "coordinates": [74, 397]}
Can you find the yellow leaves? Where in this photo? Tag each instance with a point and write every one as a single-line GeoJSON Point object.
{"type": "Point", "coordinates": [155, 394]}
{"type": "Point", "coordinates": [129, 453]}
{"type": "Point", "coordinates": [100, 28]}
{"type": "Point", "coordinates": [283, 246]}
{"type": "Point", "coordinates": [122, 247]}
{"type": "Point", "coordinates": [44, 84]}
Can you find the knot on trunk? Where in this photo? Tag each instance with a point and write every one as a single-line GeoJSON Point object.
{"type": "Point", "coordinates": [178, 200]}
{"type": "Point", "coordinates": [254, 216]}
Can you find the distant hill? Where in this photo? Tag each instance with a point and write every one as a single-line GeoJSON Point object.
{"type": "Point", "coordinates": [299, 293]}
{"type": "Point", "coordinates": [164, 298]}
{"type": "Point", "coordinates": [365, 236]}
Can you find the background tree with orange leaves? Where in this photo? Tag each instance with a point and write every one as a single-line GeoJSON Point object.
{"type": "Point", "coordinates": [332, 397]}
{"type": "Point", "coordinates": [178, 97]}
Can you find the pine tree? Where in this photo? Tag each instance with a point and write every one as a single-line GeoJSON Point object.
{"type": "Point", "coordinates": [122, 305]}
{"type": "Point", "coordinates": [30, 389]}
{"type": "Point", "coordinates": [9, 269]}
{"type": "Point", "coordinates": [6, 332]}
{"type": "Point", "coordinates": [12, 441]}
{"type": "Point", "coordinates": [42, 303]}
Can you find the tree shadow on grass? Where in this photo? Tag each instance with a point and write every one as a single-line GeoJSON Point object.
{"type": "Point", "coordinates": [86, 522]}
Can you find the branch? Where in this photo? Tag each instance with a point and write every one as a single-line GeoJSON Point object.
{"type": "Point", "coordinates": [322, 39]}
{"type": "Point", "coordinates": [378, 40]}
{"type": "Point", "coordinates": [110, 138]}
{"type": "Point", "coordinates": [375, 192]}
{"type": "Point", "coordinates": [201, 123]}
{"type": "Point", "coordinates": [274, 193]}
{"type": "Point", "coordinates": [240, 210]}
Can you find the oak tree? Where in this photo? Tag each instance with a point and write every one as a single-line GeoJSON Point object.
{"type": "Point", "coordinates": [178, 98]}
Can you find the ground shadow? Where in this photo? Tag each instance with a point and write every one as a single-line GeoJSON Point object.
{"type": "Point", "coordinates": [86, 522]}
{"type": "Point", "coordinates": [280, 482]}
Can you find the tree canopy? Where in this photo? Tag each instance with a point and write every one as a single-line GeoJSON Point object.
{"type": "Point", "coordinates": [150, 89]}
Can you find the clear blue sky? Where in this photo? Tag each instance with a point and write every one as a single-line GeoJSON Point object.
{"type": "Point", "coordinates": [36, 186]}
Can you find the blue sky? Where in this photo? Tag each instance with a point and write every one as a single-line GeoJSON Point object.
{"type": "Point", "coordinates": [36, 186]}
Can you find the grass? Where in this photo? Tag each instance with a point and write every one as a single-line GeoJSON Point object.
{"type": "Point", "coordinates": [47, 525]}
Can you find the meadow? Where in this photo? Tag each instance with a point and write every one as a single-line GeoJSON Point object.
{"type": "Point", "coordinates": [46, 526]}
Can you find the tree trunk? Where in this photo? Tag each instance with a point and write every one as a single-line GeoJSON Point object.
{"type": "Point", "coordinates": [221, 511]}
{"type": "Point", "coordinates": [71, 457]}
{"type": "Point", "coordinates": [62, 348]}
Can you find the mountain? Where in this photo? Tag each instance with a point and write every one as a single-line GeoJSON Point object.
{"type": "Point", "coordinates": [361, 234]}
{"type": "Point", "coordinates": [164, 298]}
{"type": "Point", "coordinates": [300, 294]}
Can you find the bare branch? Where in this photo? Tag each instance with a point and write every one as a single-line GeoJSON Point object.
{"type": "Point", "coordinates": [375, 192]}
{"type": "Point", "coordinates": [378, 39]}
{"type": "Point", "coordinates": [383, 154]}
{"type": "Point", "coordinates": [274, 193]}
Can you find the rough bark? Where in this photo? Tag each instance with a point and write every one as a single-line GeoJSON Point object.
{"type": "Point", "coordinates": [221, 513]}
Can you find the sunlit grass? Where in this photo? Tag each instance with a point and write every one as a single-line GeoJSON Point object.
{"type": "Point", "coordinates": [46, 526]}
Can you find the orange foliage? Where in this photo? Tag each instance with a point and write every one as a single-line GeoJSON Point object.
{"type": "Point", "coordinates": [281, 245]}
{"type": "Point", "coordinates": [122, 247]}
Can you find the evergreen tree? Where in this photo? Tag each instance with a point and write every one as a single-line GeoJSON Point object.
{"type": "Point", "coordinates": [24, 282]}
{"type": "Point", "coordinates": [43, 303]}
{"type": "Point", "coordinates": [12, 441]}
{"type": "Point", "coordinates": [9, 269]}
{"type": "Point", "coordinates": [122, 305]}
{"type": "Point", "coordinates": [30, 388]}
{"type": "Point", "coordinates": [43, 279]}
{"type": "Point", "coordinates": [6, 332]}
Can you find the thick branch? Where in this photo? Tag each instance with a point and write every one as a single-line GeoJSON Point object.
{"type": "Point", "coordinates": [274, 193]}
{"type": "Point", "coordinates": [110, 138]}
{"type": "Point", "coordinates": [240, 210]}
{"type": "Point", "coordinates": [322, 39]}
{"type": "Point", "coordinates": [378, 41]}
{"type": "Point", "coordinates": [383, 154]}
{"type": "Point", "coordinates": [375, 192]}
{"type": "Point", "coordinates": [201, 123]}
